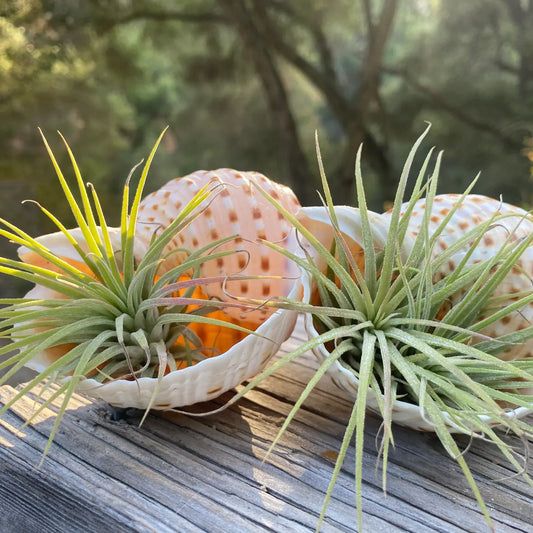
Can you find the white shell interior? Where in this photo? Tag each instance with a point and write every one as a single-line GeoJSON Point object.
{"type": "Point", "coordinates": [207, 379]}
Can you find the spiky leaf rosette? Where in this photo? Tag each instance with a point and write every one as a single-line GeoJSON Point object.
{"type": "Point", "coordinates": [423, 322]}
{"type": "Point", "coordinates": [105, 319]}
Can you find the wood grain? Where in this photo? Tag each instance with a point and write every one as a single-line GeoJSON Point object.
{"type": "Point", "coordinates": [178, 473]}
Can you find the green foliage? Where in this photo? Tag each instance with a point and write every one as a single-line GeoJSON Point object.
{"type": "Point", "coordinates": [109, 315]}
{"type": "Point", "coordinates": [381, 323]}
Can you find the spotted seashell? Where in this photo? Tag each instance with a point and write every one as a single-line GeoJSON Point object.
{"type": "Point", "coordinates": [199, 383]}
{"type": "Point", "coordinates": [207, 379]}
{"type": "Point", "coordinates": [473, 211]}
{"type": "Point", "coordinates": [236, 208]}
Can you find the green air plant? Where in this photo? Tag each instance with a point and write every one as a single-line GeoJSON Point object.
{"type": "Point", "coordinates": [114, 315]}
{"type": "Point", "coordinates": [422, 314]}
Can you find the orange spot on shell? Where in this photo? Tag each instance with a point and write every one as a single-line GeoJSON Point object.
{"type": "Point", "coordinates": [242, 261]}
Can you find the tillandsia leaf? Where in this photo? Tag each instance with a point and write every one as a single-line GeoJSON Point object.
{"type": "Point", "coordinates": [365, 373]}
{"type": "Point", "coordinates": [89, 237]}
{"type": "Point", "coordinates": [101, 311]}
{"type": "Point", "coordinates": [385, 276]}
{"type": "Point", "coordinates": [423, 337]}
{"type": "Point", "coordinates": [87, 208]}
{"type": "Point", "coordinates": [25, 240]}
{"type": "Point", "coordinates": [344, 258]}
{"type": "Point", "coordinates": [307, 264]}
{"type": "Point", "coordinates": [128, 229]}
{"type": "Point", "coordinates": [332, 262]}
{"type": "Point", "coordinates": [368, 243]}
{"type": "Point", "coordinates": [108, 246]}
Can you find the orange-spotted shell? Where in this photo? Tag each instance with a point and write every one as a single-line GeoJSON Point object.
{"type": "Point", "coordinates": [207, 379]}
{"type": "Point", "coordinates": [199, 383]}
{"type": "Point", "coordinates": [237, 208]}
{"type": "Point", "coordinates": [474, 210]}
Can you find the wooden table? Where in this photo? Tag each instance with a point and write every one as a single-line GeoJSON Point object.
{"type": "Point", "coordinates": [178, 473]}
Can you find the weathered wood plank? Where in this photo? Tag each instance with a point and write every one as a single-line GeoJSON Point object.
{"type": "Point", "coordinates": [180, 473]}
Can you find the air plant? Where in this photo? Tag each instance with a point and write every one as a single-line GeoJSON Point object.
{"type": "Point", "coordinates": [422, 315]}
{"type": "Point", "coordinates": [115, 316]}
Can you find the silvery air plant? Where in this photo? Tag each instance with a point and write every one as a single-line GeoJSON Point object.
{"type": "Point", "coordinates": [422, 314]}
{"type": "Point", "coordinates": [146, 314]}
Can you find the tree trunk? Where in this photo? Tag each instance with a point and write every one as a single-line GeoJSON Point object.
{"type": "Point", "coordinates": [301, 178]}
{"type": "Point", "coordinates": [366, 97]}
{"type": "Point", "coordinates": [521, 14]}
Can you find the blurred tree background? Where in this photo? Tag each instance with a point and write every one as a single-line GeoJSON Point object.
{"type": "Point", "coordinates": [245, 84]}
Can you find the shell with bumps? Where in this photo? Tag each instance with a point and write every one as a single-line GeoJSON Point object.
{"type": "Point", "coordinates": [236, 208]}
{"type": "Point", "coordinates": [473, 210]}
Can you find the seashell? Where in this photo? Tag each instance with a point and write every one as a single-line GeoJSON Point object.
{"type": "Point", "coordinates": [473, 211]}
{"type": "Point", "coordinates": [238, 209]}
{"type": "Point", "coordinates": [201, 382]}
